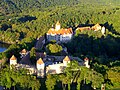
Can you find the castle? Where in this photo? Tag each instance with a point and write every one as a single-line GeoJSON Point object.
{"type": "Point", "coordinates": [46, 65]}
{"type": "Point", "coordinates": [59, 34]}
{"type": "Point", "coordinates": [65, 35]}
{"type": "Point", "coordinates": [42, 66]}
{"type": "Point", "coordinates": [96, 27]}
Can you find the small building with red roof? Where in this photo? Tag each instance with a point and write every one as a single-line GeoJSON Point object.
{"type": "Point", "coordinates": [13, 60]}
{"type": "Point", "coordinates": [86, 62]}
{"type": "Point", "coordinates": [66, 60]}
{"type": "Point", "coordinates": [40, 67]}
{"type": "Point", "coordinates": [96, 27]}
{"type": "Point", "coordinates": [103, 31]}
{"type": "Point", "coordinates": [83, 28]}
{"type": "Point", "coordinates": [23, 53]}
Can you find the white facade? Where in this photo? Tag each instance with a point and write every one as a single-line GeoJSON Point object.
{"type": "Point", "coordinates": [65, 62]}
{"type": "Point", "coordinates": [40, 70]}
{"type": "Point", "coordinates": [87, 64]}
{"type": "Point", "coordinates": [65, 37]}
{"type": "Point", "coordinates": [62, 38]}
{"type": "Point", "coordinates": [55, 68]}
{"type": "Point", "coordinates": [13, 60]}
{"type": "Point", "coordinates": [103, 30]}
{"type": "Point", "coordinates": [40, 66]}
{"type": "Point", "coordinates": [58, 34]}
{"type": "Point", "coordinates": [53, 37]}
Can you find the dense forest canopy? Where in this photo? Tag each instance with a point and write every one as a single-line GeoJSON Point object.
{"type": "Point", "coordinates": [23, 21]}
{"type": "Point", "coordinates": [10, 6]}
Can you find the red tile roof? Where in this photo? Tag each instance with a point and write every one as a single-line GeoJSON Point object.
{"type": "Point", "coordinates": [95, 26]}
{"type": "Point", "coordinates": [86, 59]}
{"type": "Point", "coordinates": [58, 23]}
{"type": "Point", "coordinates": [83, 28]}
{"type": "Point", "coordinates": [24, 51]}
{"type": "Point", "coordinates": [61, 31]}
{"type": "Point", "coordinates": [40, 61]}
{"type": "Point", "coordinates": [66, 58]}
{"type": "Point", "coordinates": [13, 58]}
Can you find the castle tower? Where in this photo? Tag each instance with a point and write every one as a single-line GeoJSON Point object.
{"type": "Point", "coordinates": [57, 26]}
{"type": "Point", "coordinates": [96, 27]}
{"type": "Point", "coordinates": [40, 67]}
{"type": "Point", "coordinates": [103, 30]}
{"type": "Point", "coordinates": [23, 53]}
{"type": "Point", "coordinates": [103, 87]}
{"type": "Point", "coordinates": [86, 62]}
{"type": "Point", "coordinates": [13, 60]}
{"type": "Point", "coordinates": [66, 60]}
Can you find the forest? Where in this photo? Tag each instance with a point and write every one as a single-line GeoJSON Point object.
{"type": "Point", "coordinates": [23, 21]}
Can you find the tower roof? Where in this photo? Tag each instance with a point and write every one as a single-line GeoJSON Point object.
{"type": "Point", "coordinates": [97, 25]}
{"type": "Point", "coordinates": [13, 58]}
{"type": "Point", "coordinates": [86, 59]}
{"type": "Point", "coordinates": [40, 61]}
{"type": "Point", "coordinates": [24, 51]}
{"type": "Point", "coordinates": [60, 32]}
{"type": "Point", "coordinates": [66, 58]}
{"type": "Point", "coordinates": [58, 23]}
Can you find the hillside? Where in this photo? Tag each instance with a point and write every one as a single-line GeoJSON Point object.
{"type": "Point", "coordinates": [28, 24]}
{"type": "Point", "coordinates": [10, 6]}
{"type": "Point", "coordinates": [35, 17]}
{"type": "Point", "coordinates": [15, 6]}
{"type": "Point", "coordinates": [22, 22]}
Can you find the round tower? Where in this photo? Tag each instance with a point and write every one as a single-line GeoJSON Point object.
{"type": "Point", "coordinates": [57, 26]}
{"type": "Point", "coordinates": [40, 67]}
{"type": "Point", "coordinates": [13, 60]}
{"type": "Point", "coordinates": [86, 62]}
{"type": "Point", "coordinates": [23, 52]}
{"type": "Point", "coordinates": [103, 30]}
{"type": "Point", "coordinates": [103, 87]}
{"type": "Point", "coordinates": [66, 60]}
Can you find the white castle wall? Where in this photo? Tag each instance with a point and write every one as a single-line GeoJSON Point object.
{"type": "Point", "coordinates": [40, 69]}
{"type": "Point", "coordinates": [58, 68]}
{"type": "Point", "coordinates": [13, 62]}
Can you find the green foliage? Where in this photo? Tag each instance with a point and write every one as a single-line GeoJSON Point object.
{"type": "Point", "coordinates": [15, 6]}
{"type": "Point", "coordinates": [13, 49]}
{"type": "Point", "coordinates": [50, 82]}
{"type": "Point", "coordinates": [45, 17]}
{"type": "Point", "coordinates": [13, 77]}
{"type": "Point", "coordinates": [102, 48]}
{"type": "Point", "coordinates": [87, 43]}
{"type": "Point", "coordinates": [54, 49]}
{"type": "Point", "coordinates": [113, 75]}
{"type": "Point", "coordinates": [74, 73]}
{"type": "Point", "coordinates": [101, 69]}
{"type": "Point", "coordinates": [33, 55]}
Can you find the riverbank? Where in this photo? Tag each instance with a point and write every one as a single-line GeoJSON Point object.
{"type": "Point", "coordinates": [3, 46]}
{"type": "Point", "coordinates": [4, 43]}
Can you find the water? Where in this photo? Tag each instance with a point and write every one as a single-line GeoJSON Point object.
{"type": "Point", "coordinates": [3, 47]}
